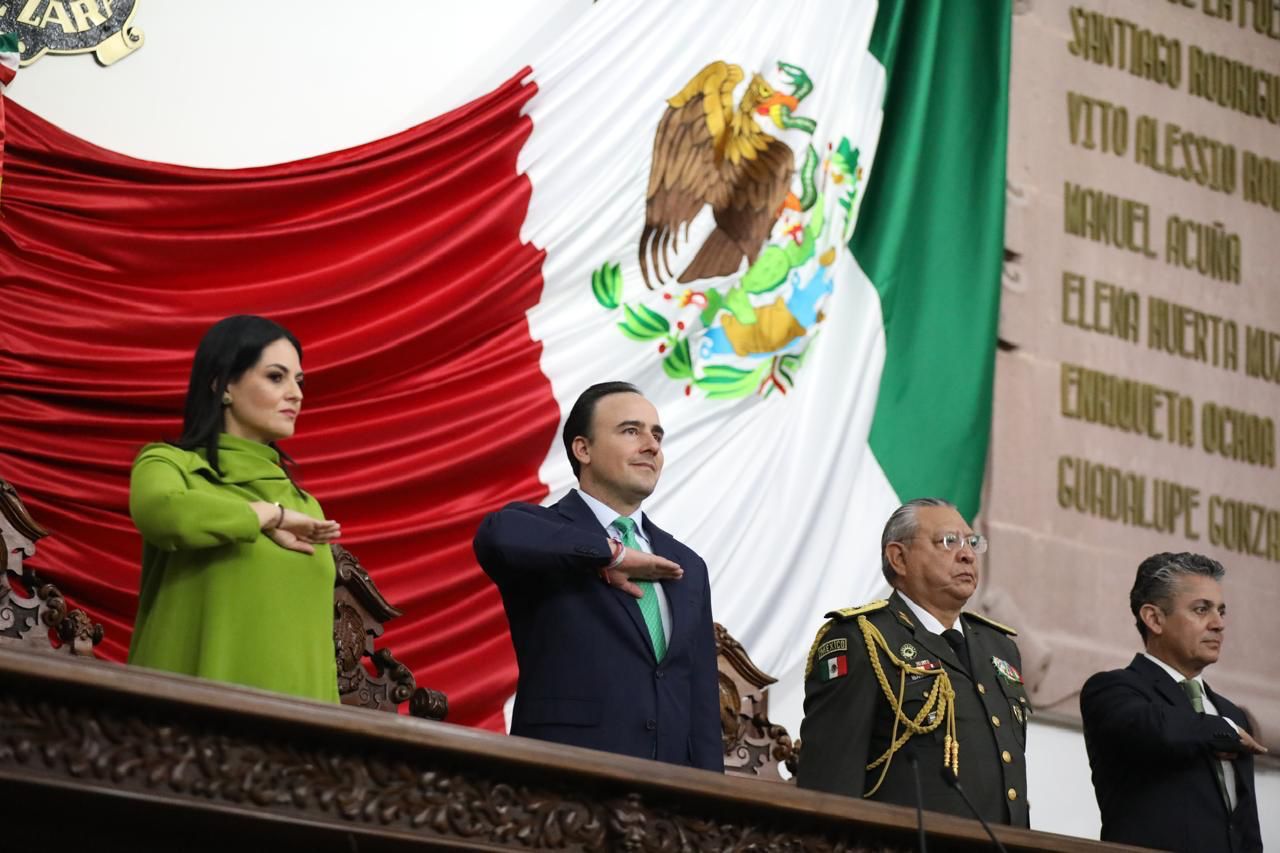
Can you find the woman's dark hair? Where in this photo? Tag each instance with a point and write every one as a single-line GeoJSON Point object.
{"type": "Point", "coordinates": [228, 349]}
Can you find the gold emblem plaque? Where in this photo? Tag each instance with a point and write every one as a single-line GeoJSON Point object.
{"type": "Point", "coordinates": [101, 27]}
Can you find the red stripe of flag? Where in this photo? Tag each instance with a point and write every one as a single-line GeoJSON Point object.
{"type": "Point", "coordinates": [399, 266]}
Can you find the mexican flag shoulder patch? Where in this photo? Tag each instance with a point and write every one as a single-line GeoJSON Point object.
{"type": "Point", "coordinates": [836, 666]}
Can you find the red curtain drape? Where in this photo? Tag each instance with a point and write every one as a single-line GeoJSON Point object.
{"type": "Point", "coordinates": [399, 266]}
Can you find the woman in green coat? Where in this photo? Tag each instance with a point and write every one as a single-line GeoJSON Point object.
{"type": "Point", "coordinates": [237, 574]}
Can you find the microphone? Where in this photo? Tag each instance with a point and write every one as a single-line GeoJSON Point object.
{"type": "Point", "coordinates": [954, 781]}
{"type": "Point", "coordinates": [909, 749]}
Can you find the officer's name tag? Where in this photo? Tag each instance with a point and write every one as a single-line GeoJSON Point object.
{"type": "Point", "coordinates": [832, 646]}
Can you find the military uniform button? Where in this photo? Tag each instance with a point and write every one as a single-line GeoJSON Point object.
{"type": "Point", "coordinates": [1006, 757]}
{"type": "Point", "coordinates": [982, 690]}
{"type": "Point", "coordinates": [995, 721]}
{"type": "Point", "coordinates": [1013, 794]}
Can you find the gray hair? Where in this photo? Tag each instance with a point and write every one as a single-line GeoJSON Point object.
{"type": "Point", "coordinates": [901, 526]}
{"type": "Point", "coordinates": [1158, 578]}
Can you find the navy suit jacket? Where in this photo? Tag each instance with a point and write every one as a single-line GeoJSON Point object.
{"type": "Point", "coordinates": [1152, 757]}
{"type": "Point", "coordinates": [588, 673]}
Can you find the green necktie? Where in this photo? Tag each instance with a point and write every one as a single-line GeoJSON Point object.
{"type": "Point", "coordinates": [649, 604]}
{"type": "Point", "coordinates": [1196, 694]}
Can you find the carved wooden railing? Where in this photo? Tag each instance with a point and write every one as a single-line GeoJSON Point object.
{"type": "Point", "coordinates": [132, 759]}
{"type": "Point", "coordinates": [753, 744]}
{"type": "Point", "coordinates": [359, 613]}
{"type": "Point", "coordinates": [33, 612]}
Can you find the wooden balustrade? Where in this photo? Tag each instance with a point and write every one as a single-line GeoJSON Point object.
{"type": "Point", "coordinates": [122, 758]}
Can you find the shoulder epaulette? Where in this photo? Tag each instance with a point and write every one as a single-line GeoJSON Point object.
{"type": "Point", "coordinates": [837, 616]}
{"type": "Point", "coordinates": [999, 626]}
{"type": "Point", "coordinates": [850, 612]}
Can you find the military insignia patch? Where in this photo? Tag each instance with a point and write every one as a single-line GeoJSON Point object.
{"type": "Point", "coordinates": [838, 645]}
{"type": "Point", "coordinates": [907, 652]}
{"type": "Point", "coordinates": [926, 664]}
{"type": "Point", "coordinates": [833, 668]}
{"type": "Point", "coordinates": [1017, 713]}
{"type": "Point", "coordinates": [1007, 670]}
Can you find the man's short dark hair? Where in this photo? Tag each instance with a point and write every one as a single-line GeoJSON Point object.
{"type": "Point", "coordinates": [584, 409]}
{"type": "Point", "coordinates": [902, 526]}
{"type": "Point", "coordinates": [1159, 576]}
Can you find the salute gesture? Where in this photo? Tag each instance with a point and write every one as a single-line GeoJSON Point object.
{"type": "Point", "coordinates": [295, 530]}
{"type": "Point", "coordinates": [629, 563]}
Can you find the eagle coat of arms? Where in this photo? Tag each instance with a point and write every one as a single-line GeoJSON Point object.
{"type": "Point", "coordinates": [720, 329]}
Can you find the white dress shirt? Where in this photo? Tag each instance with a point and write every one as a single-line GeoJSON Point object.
{"type": "Point", "coordinates": [1228, 767]}
{"type": "Point", "coordinates": [927, 619]}
{"type": "Point", "coordinates": [606, 515]}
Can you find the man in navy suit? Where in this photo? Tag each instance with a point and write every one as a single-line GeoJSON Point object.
{"type": "Point", "coordinates": [1172, 760]}
{"type": "Point", "coordinates": [610, 616]}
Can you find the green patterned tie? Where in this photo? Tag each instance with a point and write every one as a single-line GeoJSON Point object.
{"type": "Point", "coordinates": [649, 604]}
{"type": "Point", "coordinates": [1196, 694]}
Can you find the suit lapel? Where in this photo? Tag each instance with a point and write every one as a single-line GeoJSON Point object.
{"type": "Point", "coordinates": [1243, 765]}
{"type": "Point", "coordinates": [921, 636]}
{"type": "Point", "coordinates": [1161, 682]}
{"type": "Point", "coordinates": [1173, 693]}
{"type": "Point", "coordinates": [676, 592]}
{"type": "Point", "coordinates": [1225, 706]}
{"type": "Point", "coordinates": [575, 509]}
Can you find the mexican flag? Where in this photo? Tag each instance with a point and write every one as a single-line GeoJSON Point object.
{"type": "Point", "coordinates": [782, 220]}
{"type": "Point", "coordinates": [846, 367]}
{"type": "Point", "coordinates": [833, 668]}
{"type": "Point", "coordinates": [9, 57]}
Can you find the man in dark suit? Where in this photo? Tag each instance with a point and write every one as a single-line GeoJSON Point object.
{"type": "Point", "coordinates": [610, 615]}
{"type": "Point", "coordinates": [1172, 760]}
{"type": "Point", "coordinates": [925, 649]}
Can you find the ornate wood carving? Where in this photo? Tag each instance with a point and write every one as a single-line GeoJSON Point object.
{"type": "Point", "coordinates": [359, 611]}
{"type": "Point", "coordinates": [184, 761]}
{"type": "Point", "coordinates": [753, 746]}
{"type": "Point", "coordinates": [638, 830]}
{"type": "Point", "coordinates": [172, 758]}
{"type": "Point", "coordinates": [33, 612]}
{"type": "Point", "coordinates": [143, 749]}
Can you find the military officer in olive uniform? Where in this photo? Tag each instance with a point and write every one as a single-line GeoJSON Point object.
{"type": "Point", "coordinates": [917, 670]}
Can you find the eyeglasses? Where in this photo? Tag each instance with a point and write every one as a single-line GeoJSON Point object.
{"type": "Point", "coordinates": [954, 541]}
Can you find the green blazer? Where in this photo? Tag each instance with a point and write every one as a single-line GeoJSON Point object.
{"type": "Point", "coordinates": [218, 598]}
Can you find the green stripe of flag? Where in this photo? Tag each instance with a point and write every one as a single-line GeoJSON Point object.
{"type": "Point", "coordinates": [8, 58]}
{"type": "Point", "coordinates": [931, 238]}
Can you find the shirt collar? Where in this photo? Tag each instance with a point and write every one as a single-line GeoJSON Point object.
{"type": "Point", "coordinates": [927, 619]}
{"type": "Point", "coordinates": [606, 514]}
{"type": "Point", "coordinates": [1173, 673]}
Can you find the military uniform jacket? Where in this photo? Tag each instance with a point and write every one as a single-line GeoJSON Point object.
{"type": "Point", "coordinates": [848, 720]}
